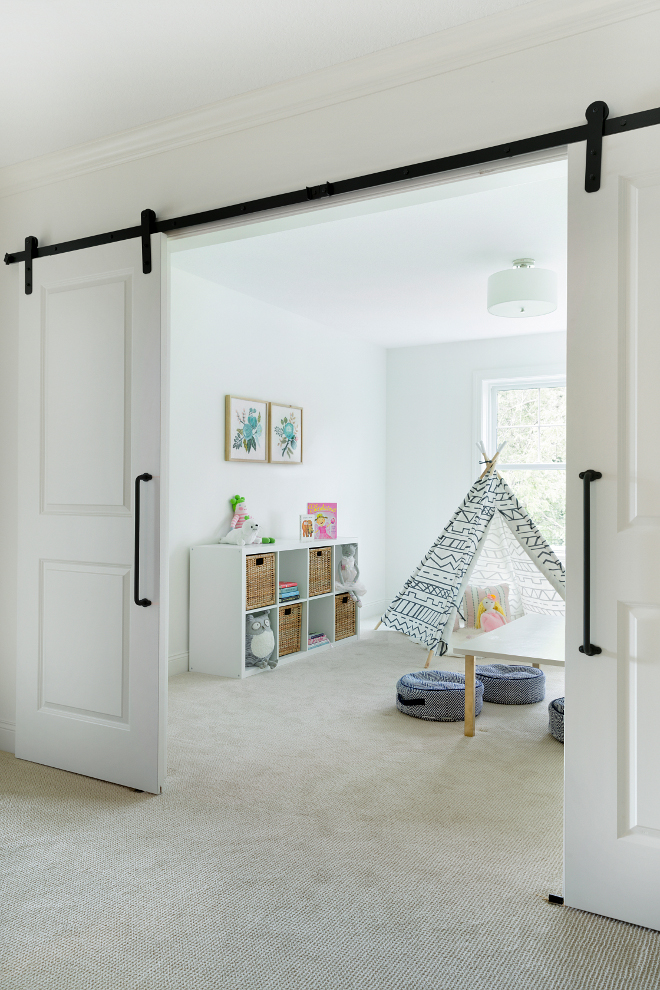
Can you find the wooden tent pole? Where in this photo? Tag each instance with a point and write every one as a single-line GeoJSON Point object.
{"type": "Point", "coordinates": [490, 464]}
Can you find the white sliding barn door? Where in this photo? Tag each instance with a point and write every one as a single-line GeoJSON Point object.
{"type": "Point", "coordinates": [92, 667]}
{"type": "Point", "coordinates": [612, 750]}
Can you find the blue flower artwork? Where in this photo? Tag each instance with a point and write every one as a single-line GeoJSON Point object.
{"type": "Point", "coordinates": [286, 434]}
{"type": "Point", "coordinates": [248, 434]}
{"type": "Point", "coordinates": [246, 429]}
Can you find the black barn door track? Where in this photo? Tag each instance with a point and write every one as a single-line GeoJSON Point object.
{"type": "Point", "coordinates": [598, 126]}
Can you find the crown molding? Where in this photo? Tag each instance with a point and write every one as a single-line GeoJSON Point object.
{"type": "Point", "coordinates": [530, 25]}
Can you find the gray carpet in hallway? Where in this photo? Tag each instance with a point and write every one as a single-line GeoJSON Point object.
{"type": "Point", "coordinates": [309, 837]}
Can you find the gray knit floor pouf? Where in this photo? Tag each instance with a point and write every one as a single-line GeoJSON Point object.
{"type": "Point", "coordinates": [438, 695]}
{"type": "Point", "coordinates": [556, 722]}
{"type": "Point", "coordinates": [509, 684]}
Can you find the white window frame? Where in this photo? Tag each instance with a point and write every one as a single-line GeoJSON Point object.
{"type": "Point", "coordinates": [507, 384]}
{"type": "Point", "coordinates": [487, 382]}
{"type": "Point", "coordinates": [486, 386]}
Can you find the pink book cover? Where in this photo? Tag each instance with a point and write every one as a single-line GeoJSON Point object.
{"type": "Point", "coordinates": [325, 519]}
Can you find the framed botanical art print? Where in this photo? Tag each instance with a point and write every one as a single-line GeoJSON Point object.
{"type": "Point", "coordinates": [285, 433]}
{"type": "Point", "coordinates": [246, 429]}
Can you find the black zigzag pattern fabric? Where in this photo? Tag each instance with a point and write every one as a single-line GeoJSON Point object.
{"type": "Point", "coordinates": [511, 684]}
{"type": "Point", "coordinates": [437, 695]}
{"type": "Point", "coordinates": [528, 565]}
{"type": "Point", "coordinates": [556, 719]}
{"type": "Point", "coordinates": [428, 598]}
{"type": "Point", "coordinates": [529, 538]}
{"type": "Point", "coordinates": [425, 605]}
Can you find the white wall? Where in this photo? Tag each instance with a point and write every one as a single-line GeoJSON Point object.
{"type": "Point", "coordinates": [431, 433]}
{"type": "Point", "coordinates": [226, 343]}
{"type": "Point", "coordinates": [537, 83]}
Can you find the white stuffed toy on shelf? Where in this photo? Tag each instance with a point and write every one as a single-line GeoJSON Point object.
{"type": "Point", "coordinates": [259, 641]}
{"type": "Point", "coordinates": [244, 536]}
{"type": "Point", "coordinates": [348, 574]}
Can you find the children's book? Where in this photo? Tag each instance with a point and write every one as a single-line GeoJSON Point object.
{"type": "Point", "coordinates": [307, 527]}
{"type": "Point", "coordinates": [324, 516]}
{"type": "Point", "coordinates": [317, 639]}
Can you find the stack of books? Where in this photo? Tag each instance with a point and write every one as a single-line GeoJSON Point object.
{"type": "Point", "coordinates": [288, 591]}
{"type": "Point", "coordinates": [317, 639]}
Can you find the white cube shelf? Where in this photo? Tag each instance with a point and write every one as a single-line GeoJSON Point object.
{"type": "Point", "coordinates": [217, 603]}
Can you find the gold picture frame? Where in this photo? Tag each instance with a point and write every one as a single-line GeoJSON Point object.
{"type": "Point", "coordinates": [285, 433]}
{"type": "Point", "coordinates": [246, 442]}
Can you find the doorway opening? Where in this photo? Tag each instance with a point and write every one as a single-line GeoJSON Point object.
{"type": "Point", "coordinates": [371, 318]}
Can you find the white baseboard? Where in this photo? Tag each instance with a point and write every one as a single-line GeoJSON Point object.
{"type": "Point", "coordinates": [177, 664]}
{"type": "Point", "coordinates": [369, 609]}
{"type": "Point", "coordinates": [8, 737]}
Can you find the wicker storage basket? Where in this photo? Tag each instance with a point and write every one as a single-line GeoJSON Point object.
{"type": "Point", "coordinates": [344, 616]}
{"type": "Point", "coordinates": [290, 627]}
{"type": "Point", "coordinates": [259, 580]}
{"type": "Point", "coordinates": [320, 571]}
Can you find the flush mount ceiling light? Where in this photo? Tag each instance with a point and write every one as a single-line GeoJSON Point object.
{"type": "Point", "coordinates": [522, 291]}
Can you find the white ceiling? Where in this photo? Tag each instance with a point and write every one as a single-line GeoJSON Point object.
{"type": "Point", "coordinates": [407, 269]}
{"type": "Point", "coordinates": [72, 71]}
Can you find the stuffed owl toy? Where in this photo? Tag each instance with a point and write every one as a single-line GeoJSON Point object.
{"type": "Point", "coordinates": [259, 641]}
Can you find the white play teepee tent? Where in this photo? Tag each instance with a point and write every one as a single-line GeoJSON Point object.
{"type": "Point", "coordinates": [489, 540]}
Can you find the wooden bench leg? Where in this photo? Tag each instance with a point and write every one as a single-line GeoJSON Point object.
{"type": "Point", "coordinates": [470, 688]}
{"type": "Point", "coordinates": [537, 665]}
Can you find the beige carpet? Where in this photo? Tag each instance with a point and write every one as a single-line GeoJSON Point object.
{"type": "Point", "coordinates": [310, 837]}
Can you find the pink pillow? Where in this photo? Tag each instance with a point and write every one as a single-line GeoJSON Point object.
{"type": "Point", "coordinates": [473, 595]}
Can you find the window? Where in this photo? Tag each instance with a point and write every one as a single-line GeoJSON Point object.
{"type": "Point", "coordinates": [531, 417]}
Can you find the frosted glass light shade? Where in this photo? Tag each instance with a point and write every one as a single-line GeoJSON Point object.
{"type": "Point", "coordinates": [522, 291]}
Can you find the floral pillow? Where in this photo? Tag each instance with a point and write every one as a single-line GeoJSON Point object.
{"type": "Point", "coordinates": [473, 595]}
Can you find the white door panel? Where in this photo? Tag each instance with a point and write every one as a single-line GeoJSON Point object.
{"type": "Point", "coordinates": [91, 663]}
{"type": "Point", "coordinates": [86, 397]}
{"type": "Point", "coordinates": [85, 649]}
{"type": "Point", "coordinates": [612, 735]}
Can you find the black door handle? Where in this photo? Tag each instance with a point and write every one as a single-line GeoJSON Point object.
{"type": "Point", "coordinates": [587, 646]}
{"type": "Point", "coordinates": [136, 564]}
